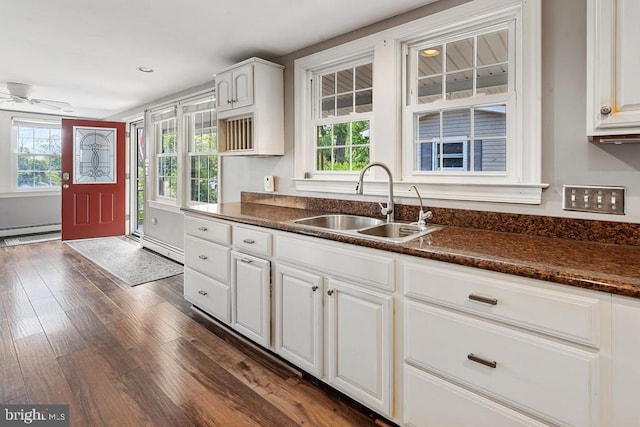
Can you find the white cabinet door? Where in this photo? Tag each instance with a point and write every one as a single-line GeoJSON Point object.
{"type": "Point", "coordinates": [250, 297]}
{"type": "Point", "coordinates": [625, 370]}
{"type": "Point", "coordinates": [224, 91]}
{"type": "Point", "coordinates": [298, 319]}
{"type": "Point", "coordinates": [234, 88]}
{"type": "Point", "coordinates": [613, 87]}
{"type": "Point", "coordinates": [360, 343]}
{"type": "Point", "coordinates": [243, 86]}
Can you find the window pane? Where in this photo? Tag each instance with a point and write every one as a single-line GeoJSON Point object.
{"type": "Point", "coordinates": [490, 121]}
{"type": "Point", "coordinates": [25, 179]}
{"type": "Point", "coordinates": [456, 124]}
{"type": "Point", "coordinates": [428, 126]}
{"type": "Point", "coordinates": [364, 76]}
{"type": "Point", "coordinates": [324, 160]}
{"type": "Point", "coordinates": [324, 136]}
{"type": "Point", "coordinates": [41, 163]}
{"type": "Point", "coordinates": [341, 134]}
{"type": "Point", "coordinates": [460, 55]}
{"type": "Point", "coordinates": [345, 104]}
{"type": "Point", "coordinates": [328, 106]}
{"type": "Point", "coordinates": [345, 81]}
{"type": "Point", "coordinates": [41, 179]}
{"type": "Point", "coordinates": [430, 61]}
{"type": "Point", "coordinates": [360, 132]}
{"type": "Point", "coordinates": [460, 85]}
{"type": "Point", "coordinates": [195, 165]}
{"type": "Point", "coordinates": [429, 89]}
{"type": "Point", "coordinates": [25, 140]}
{"type": "Point", "coordinates": [493, 79]}
{"type": "Point", "coordinates": [493, 48]}
{"type": "Point", "coordinates": [424, 156]}
{"type": "Point", "coordinates": [359, 157]}
{"type": "Point", "coordinates": [364, 101]}
{"type": "Point", "coordinates": [490, 155]}
{"type": "Point", "coordinates": [328, 84]}
{"type": "Point", "coordinates": [342, 158]}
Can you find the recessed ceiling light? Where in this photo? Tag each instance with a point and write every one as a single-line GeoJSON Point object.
{"type": "Point", "coordinates": [145, 69]}
{"type": "Point", "coordinates": [429, 53]}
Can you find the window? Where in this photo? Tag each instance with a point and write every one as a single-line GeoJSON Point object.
{"type": "Point", "coordinates": [460, 103]}
{"type": "Point", "coordinates": [457, 109]}
{"type": "Point", "coordinates": [167, 155]}
{"type": "Point", "coordinates": [344, 103]}
{"type": "Point", "coordinates": [38, 154]}
{"type": "Point", "coordinates": [203, 158]}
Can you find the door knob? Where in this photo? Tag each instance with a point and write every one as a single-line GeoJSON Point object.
{"type": "Point", "coordinates": [65, 186]}
{"type": "Point", "coordinates": [65, 176]}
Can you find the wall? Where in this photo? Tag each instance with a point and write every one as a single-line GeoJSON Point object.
{"type": "Point", "coordinates": [21, 210]}
{"type": "Point", "coordinates": [567, 156]}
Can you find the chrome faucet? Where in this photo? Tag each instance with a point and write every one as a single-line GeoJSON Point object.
{"type": "Point", "coordinates": [385, 210]}
{"type": "Point", "coordinates": [422, 216]}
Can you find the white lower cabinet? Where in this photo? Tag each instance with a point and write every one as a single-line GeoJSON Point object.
{"type": "Point", "coordinates": [208, 294]}
{"type": "Point", "coordinates": [250, 297]}
{"type": "Point", "coordinates": [359, 343]}
{"type": "Point", "coordinates": [431, 401]}
{"type": "Point", "coordinates": [298, 318]}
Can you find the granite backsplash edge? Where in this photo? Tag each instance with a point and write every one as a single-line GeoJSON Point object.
{"type": "Point", "coordinates": [609, 232]}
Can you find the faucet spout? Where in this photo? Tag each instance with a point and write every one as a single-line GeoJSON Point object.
{"type": "Point", "coordinates": [385, 210]}
{"type": "Point", "coordinates": [422, 216]}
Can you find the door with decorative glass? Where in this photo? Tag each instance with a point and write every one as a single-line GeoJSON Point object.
{"type": "Point", "coordinates": [93, 179]}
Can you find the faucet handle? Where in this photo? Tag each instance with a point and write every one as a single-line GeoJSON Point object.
{"type": "Point", "coordinates": [383, 209]}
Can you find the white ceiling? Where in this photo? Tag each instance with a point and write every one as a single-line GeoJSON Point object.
{"type": "Point", "coordinates": [87, 52]}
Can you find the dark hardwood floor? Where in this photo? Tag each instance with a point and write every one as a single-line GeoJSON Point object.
{"type": "Point", "coordinates": [71, 333]}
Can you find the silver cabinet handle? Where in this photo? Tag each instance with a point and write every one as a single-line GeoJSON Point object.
{"type": "Point", "coordinates": [249, 241]}
{"type": "Point", "coordinates": [202, 228]}
{"type": "Point", "coordinates": [247, 260]}
{"type": "Point", "coordinates": [229, 101]}
{"type": "Point", "coordinates": [473, 358]}
{"type": "Point", "coordinates": [314, 288]}
{"type": "Point", "coordinates": [486, 300]}
{"type": "Point", "coordinates": [605, 110]}
{"type": "Point", "coordinates": [330, 292]}
{"type": "Point", "coordinates": [202, 292]}
{"type": "Point", "coordinates": [203, 257]}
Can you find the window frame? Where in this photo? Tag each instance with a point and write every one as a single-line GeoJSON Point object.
{"type": "Point", "coordinates": [522, 183]}
{"type": "Point", "coordinates": [42, 123]}
{"type": "Point", "coordinates": [159, 154]}
{"type": "Point", "coordinates": [191, 152]}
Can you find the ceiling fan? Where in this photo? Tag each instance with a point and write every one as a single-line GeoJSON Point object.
{"type": "Point", "coordinates": [20, 93]}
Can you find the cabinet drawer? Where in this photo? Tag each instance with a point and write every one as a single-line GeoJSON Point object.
{"type": "Point", "coordinates": [543, 377]}
{"type": "Point", "coordinates": [252, 241]}
{"type": "Point", "coordinates": [525, 302]}
{"type": "Point", "coordinates": [208, 229]}
{"type": "Point", "coordinates": [208, 258]}
{"type": "Point", "coordinates": [362, 264]}
{"type": "Point", "coordinates": [431, 401]}
{"type": "Point", "coordinates": [207, 294]}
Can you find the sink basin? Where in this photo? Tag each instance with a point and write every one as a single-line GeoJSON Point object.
{"type": "Point", "coordinates": [340, 222]}
{"type": "Point", "coordinates": [397, 232]}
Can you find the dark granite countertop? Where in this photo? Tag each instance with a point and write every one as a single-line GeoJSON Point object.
{"type": "Point", "coordinates": [612, 268]}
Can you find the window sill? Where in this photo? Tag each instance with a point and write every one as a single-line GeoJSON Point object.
{"type": "Point", "coordinates": [31, 193]}
{"type": "Point", "coordinates": [530, 194]}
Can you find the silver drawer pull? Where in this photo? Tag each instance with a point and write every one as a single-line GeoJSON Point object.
{"type": "Point", "coordinates": [203, 292]}
{"type": "Point", "coordinates": [486, 300]}
{"type": "Point", "coordinates": [202, 228]}
{"type": "Point", "coordinates": [203, 257]}
{"type": "Point", "coordinates": [473, 358]}
{"type": "Point", "coordinates": [247, 260]}
{"type": "Point", "coordinates": [249, 241]}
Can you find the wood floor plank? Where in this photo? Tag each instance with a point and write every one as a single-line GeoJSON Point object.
{"type": "Point", "coordinates": [209, 410]}
{"type": "Point", "coordinates": [31, 282]}
{"type": "Point", "coordinates": [12, 384]}
{"type": "Point", "coordinates": [97, 397]}
{"type": "Point", "coordinates": [161, 411]}
{"type": "Point", "coordinates": [62, 335]}
{"type": "Point", "coordinates": [44, 380]}
{"type": "Point", "coordinates": [227, 388]}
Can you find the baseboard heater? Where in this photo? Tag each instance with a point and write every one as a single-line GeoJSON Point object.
{"type": "Point", "coordinates": [163, 248]}
{"type": "Point", "coordinates": [21, 230]}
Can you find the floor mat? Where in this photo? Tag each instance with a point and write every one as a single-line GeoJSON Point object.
{"type": "Point", "coordinates": [126, 260]}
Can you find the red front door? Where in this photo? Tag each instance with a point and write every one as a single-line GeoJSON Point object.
{"type": "Point", "coordinates": [93, 179]}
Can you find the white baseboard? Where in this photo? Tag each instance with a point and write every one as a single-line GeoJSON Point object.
{"type": "Point", "coordinates": [31, 229]}
{"type": "Point", "coordinates": [163, 248]}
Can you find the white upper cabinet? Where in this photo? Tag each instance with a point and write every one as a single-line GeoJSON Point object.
{"type": "Point", "coordinates": [613, 89]}
{"type": "Point", "coordinates": [250, 107]}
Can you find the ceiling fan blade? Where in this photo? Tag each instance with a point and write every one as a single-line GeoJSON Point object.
{"type": "Point", "coordinates": [57, 105]}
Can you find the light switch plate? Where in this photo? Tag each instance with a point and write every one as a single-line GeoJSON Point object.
{"type": "Point", "coordinates": [269, 184]}
{"type": "Point", "coordinates": [592, 198]}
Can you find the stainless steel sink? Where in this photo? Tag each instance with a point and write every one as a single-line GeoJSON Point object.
{"type": "Point", "coordinates": [397, 232]}
{"type": "Point", "coordinates": [340, 222]}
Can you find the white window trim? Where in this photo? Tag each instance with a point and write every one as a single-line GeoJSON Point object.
{"type": "Point", "coordinates": [29, 191]}
{"type": "Point", "coordinates": [525, 186]}
{"type": "Point", "coordinates": [189, 154]}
